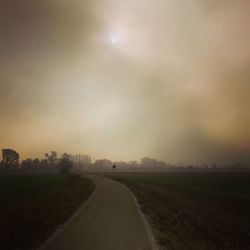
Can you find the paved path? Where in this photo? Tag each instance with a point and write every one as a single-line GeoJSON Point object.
{"type": "Point", "coordinates": [110, 221]}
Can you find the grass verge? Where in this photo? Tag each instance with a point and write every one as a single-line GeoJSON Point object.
{"type": "Point", "coordinates": [32, 206]}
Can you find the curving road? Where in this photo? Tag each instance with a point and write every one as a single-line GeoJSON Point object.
{"type": "Point", "coordinates": [109, 221]}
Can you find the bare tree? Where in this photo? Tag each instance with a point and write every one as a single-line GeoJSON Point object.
{"type": "Point", "coordinates": [52, 158]}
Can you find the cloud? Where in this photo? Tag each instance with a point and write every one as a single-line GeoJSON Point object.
{"type": "Point", "coordinates": [175, 88]}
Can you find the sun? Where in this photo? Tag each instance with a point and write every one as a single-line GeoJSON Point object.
{"type": "Point", "coordinates": [115, 38]}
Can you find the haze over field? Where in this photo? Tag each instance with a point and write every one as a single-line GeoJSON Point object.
{"type": "Point", "coordinates": [126, 79]}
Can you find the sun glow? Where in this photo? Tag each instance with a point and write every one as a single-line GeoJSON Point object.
{"type": "Point", "coordinates": [115, 38]}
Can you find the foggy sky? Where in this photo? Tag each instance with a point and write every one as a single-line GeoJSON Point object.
{"type": "Point", "coordinates": [126, 79]}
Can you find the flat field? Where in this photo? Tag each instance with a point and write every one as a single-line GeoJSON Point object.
{"type": "Point", "coordinates": [195, 211]}
{"type": "Point", "coordinates": [32, 206]}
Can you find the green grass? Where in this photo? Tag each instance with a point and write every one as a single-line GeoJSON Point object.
{"type": "Point", "coordinates": [195, 211]}
{"type": "Point", "coordinates": [32, 206]}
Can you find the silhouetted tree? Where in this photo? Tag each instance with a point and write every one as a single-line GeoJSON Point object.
{"type": "Point", "coordinates": [10, 158]}
{"type": "Point", "coordinates": [36, 163]}
{"type": "Point", "coordinates": [27, 163]}
{"type": "Point", "coordinates": [65, 165]}
{"type": "Point", "coordinates": [52, 158]}
{"type": "Point", "coordinates": [44, 163]}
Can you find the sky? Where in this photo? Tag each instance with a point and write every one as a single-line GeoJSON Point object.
{"type": "Point", "coordinates": [126, 79]}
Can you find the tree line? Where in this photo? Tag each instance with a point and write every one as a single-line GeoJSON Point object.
{"type": "Point", "coordinates": [11, 160]}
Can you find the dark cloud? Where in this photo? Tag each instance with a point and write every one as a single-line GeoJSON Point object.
{"type": "Point", "coordinates": [36, 27]}
{"type": "Point", "coordinates": [39, 39]}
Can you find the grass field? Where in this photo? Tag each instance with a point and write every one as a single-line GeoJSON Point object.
{"type": "Point", "coordinates": [32, 206]}
{"type": "Point", "coordinates": [195, 211]}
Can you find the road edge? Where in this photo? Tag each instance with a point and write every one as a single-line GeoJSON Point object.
{"type": "Point", "coordinates": [146, 224]}
{"type": "Point", "coordinates": [62, 227]}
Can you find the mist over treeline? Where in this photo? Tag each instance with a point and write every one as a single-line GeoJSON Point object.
{"type": "Point", "coordinates": [53, 162]}
{"type": "Point", "coordinates": [151, 165]}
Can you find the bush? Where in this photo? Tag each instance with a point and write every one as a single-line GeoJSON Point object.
{"type": "Point", "coordinates": [65, 165]}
